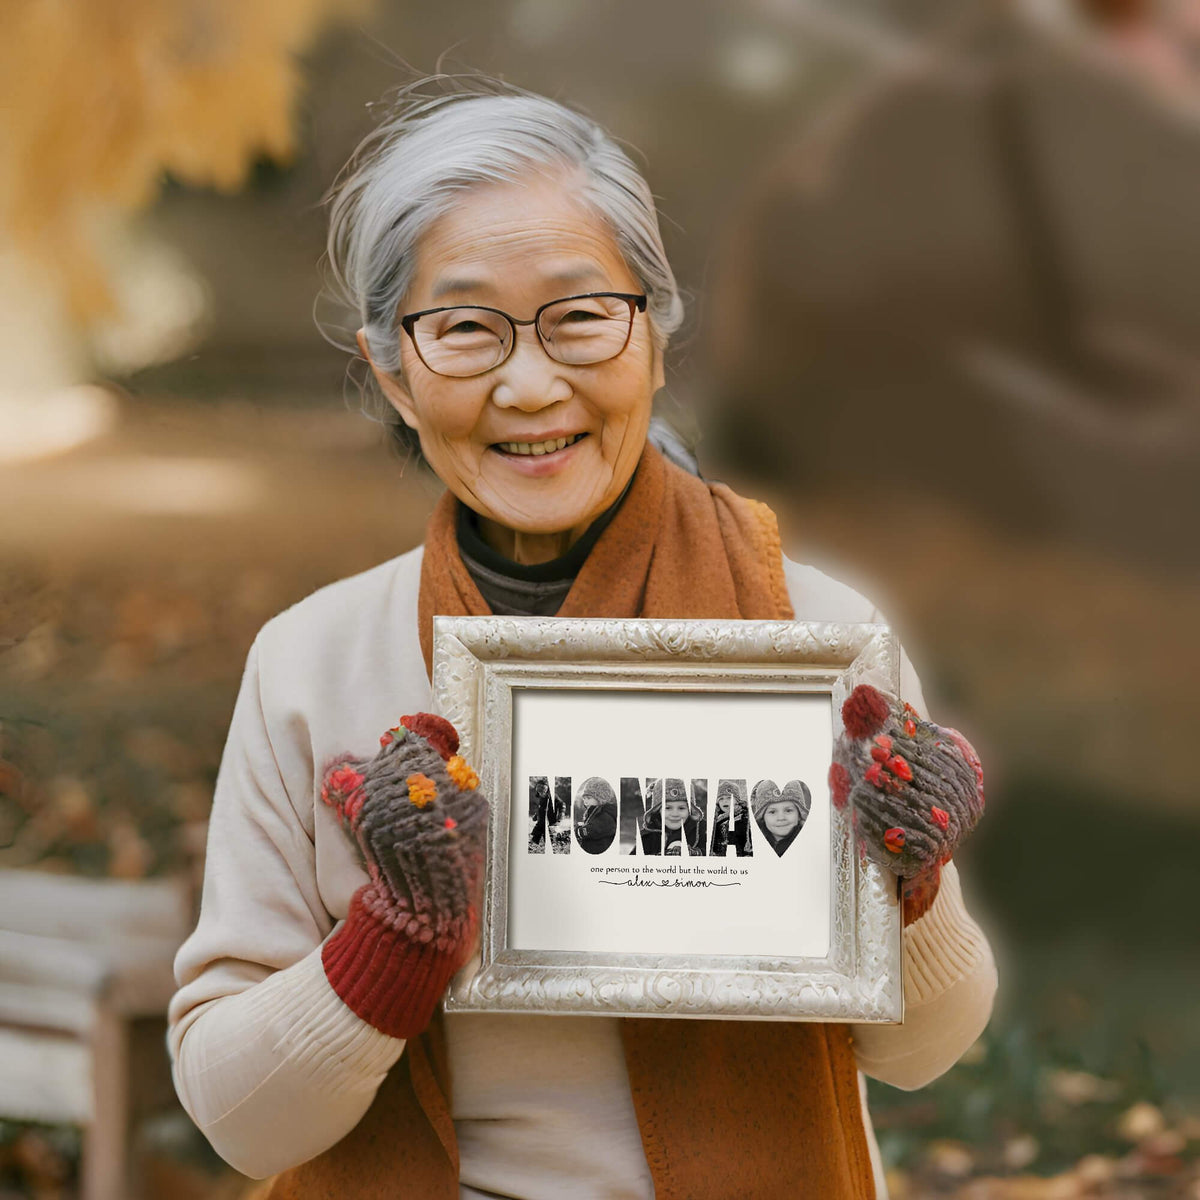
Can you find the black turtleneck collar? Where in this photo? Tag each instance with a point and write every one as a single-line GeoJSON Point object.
{"type": "Point", "coordinates": [526, 589]}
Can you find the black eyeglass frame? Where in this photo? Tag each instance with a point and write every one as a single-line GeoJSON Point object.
{"type": "Point", "coordinates": [637, 303]}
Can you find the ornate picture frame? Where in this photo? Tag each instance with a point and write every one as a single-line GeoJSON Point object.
{"type": "Point", "coordinates": [703, 895]}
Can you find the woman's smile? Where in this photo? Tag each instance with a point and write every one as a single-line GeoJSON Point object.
{"type": "Point", "coordinates": [536, 457]}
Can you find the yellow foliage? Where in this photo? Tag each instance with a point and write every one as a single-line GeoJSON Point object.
{"type": "Point", "coordinates": [103, 97]}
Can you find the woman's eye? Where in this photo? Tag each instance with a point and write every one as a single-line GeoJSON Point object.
{"type": "Point", "coordinates": [465, 327]}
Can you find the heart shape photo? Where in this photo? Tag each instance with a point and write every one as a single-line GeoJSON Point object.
{"type": "Point", "coordinates": [781, 812]}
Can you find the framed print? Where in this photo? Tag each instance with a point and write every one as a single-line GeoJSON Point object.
{"type": "Point", "coordinates": [662, 839]}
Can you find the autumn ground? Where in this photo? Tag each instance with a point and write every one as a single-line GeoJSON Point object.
{"type": "Point", "coordinates": [138, 568]}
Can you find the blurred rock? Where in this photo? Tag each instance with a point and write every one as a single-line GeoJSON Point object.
{"type": "Point", "coordinates": [1095, 1171]}
{"type": "Point", "coordinates": [1021, 1152]}
{"type": "Point", "coordinates": [1141, 1121]}
{"type": "Point", "coordinates": [1080, 1087]}
{"type": "Point", "coordinates": [951, 1159]}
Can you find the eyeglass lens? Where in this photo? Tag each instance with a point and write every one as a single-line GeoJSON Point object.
{"type": "Point", "coordinates": [468, 341]}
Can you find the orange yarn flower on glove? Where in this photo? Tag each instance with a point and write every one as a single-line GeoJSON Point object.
{"type": "Point", "coordinates": [421, 790]}
{"type": "Point", "coordinates": [461, 773]}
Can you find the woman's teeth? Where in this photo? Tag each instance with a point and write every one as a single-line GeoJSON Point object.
{"type": "Point", "coordinates": [547, 447]}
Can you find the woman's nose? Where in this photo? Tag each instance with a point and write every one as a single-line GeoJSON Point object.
{"type": "Point", "coordinates": [530, 379]}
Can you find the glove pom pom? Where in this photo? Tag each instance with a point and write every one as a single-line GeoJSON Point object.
{"type": "Point", "coordinates": [342, 787]}
{"type": "Point", "coordinates": [840, 784]}
{"type": "Point", "coordinates": [437, 731]}
{"type": "Point", "coordinates": [865, 711]}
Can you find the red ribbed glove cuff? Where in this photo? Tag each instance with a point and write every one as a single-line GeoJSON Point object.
{"type": "Point", "coordinates": [919, 894]}
{"type": "Point", "coordinates": [393, 982]}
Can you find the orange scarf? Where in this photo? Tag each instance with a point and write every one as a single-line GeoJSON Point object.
{"type": "Point", "coordinates": [677, 547]}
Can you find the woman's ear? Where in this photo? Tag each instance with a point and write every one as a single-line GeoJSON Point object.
{"type": "Point", "coordinates": [396, 394]}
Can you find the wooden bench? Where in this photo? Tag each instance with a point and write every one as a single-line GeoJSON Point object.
{"type": "Point", "coordinates": [85, 977]}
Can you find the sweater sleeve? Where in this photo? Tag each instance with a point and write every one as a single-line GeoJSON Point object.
{"type": "Point", "coordinates": [949, 977]}
{"type": "Point", "coordinates": [271, 1065]}
{"type": "Point", "coordinates": [949, 985]}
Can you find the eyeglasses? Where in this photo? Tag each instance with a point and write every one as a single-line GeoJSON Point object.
{"type": "Point", "coordinates": [578, 331]}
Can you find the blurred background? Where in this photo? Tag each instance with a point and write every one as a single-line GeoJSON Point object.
{"type": "Point", "coordinates": [943, 287]}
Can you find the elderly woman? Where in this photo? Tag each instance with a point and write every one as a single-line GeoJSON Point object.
{"type": "Point", "coordinates": [515, 301]}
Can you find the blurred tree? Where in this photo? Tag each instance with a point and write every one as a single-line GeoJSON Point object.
{"type": "Point", "coordinates": [105, 98]}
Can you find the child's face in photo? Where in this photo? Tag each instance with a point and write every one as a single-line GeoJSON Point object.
{"type": "Point", "coordinates": [675, 813]}
{"type": "Point", "coordinates": [781, 819]}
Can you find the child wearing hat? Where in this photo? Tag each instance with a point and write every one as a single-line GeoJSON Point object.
{"type": "Point", "coordinates": [731, 821]}
{"type": "Point", "coordinates": [595, 816]}
{"type": "Point", "coordinates": [781, 813]}
{"type": "Point", "coordinates": [671, 820]}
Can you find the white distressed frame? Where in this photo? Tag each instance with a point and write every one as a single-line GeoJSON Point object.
{"type": "Point", "coordinates": [478, 661]}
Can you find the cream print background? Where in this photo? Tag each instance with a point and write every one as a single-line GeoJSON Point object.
{"type": "Point", "coordinates": [780, 907]}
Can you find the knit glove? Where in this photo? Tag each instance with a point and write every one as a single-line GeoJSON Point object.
{"type": "Point", "coordinates": [916, 790]}
{"type": "Point", "coordinates": [420, 827]}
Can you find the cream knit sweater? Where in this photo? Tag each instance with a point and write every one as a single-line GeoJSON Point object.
{"type": "Point", "coordinates": [274, 1068]}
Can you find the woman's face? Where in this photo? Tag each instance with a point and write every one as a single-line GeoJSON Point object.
{"type": "Point", "coordinates": [515, 246]}
{"type": "Point", "coordinates": [781, 819]}
{"type": "Point", "coordinates": [675, 813]}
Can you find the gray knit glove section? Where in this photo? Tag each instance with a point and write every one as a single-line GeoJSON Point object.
{"type": "Point", "coordinates": [431, 855]}
{"type": "Point", "coordinates": [916, 788]}
{"type": "Point", "coordinates": [421, 835]}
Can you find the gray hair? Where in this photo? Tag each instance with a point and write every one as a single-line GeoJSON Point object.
{"type": "Point", "coordinates": [430, 148]}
